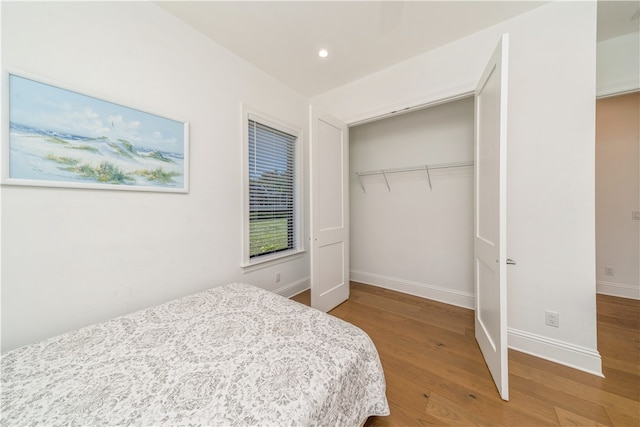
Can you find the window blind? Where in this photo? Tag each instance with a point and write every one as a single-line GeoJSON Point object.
{"type": "Point", "coordinates": [272, 204]}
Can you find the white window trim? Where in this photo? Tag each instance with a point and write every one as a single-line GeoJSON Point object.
{"type": "Point", "coordinates": [248, 263]}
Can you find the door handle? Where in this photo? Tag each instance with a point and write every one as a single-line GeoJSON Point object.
{"type": "Point", "coordinates": [510, 261]}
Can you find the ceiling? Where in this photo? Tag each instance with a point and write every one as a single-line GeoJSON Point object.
{"type": "Point", "coordinates": [283, 37]}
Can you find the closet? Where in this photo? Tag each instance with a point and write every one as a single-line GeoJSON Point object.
{"type": "Point", "coordinates": [411, 202]}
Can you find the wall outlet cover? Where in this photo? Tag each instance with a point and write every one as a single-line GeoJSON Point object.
{"type": "Point", "coordinates": [552, 318]}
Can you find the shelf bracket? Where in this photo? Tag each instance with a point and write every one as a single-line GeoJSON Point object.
{"type": "Point", "coordinates": [361, 183]}
{"type": "Point", "coordinates": [426, 167]}
{"type": "Point", "coordinates": [386, 180]}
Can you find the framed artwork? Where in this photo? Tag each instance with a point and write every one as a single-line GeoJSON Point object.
{"type": "Point", "coordinates": [56, 137]}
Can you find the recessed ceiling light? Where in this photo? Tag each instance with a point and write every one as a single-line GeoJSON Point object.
{"type": "Point", "coordinates": [323, 53]}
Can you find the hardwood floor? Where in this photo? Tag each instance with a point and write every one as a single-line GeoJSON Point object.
{"type": "Point", "coordinates": [436, 375]}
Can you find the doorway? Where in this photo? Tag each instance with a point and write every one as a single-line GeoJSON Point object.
{"type": "Point", "coordinates": [413, 232]}
{"type": "Point", "coordinates": [618, 195]}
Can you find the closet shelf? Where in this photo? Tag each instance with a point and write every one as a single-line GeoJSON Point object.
{"type": "Point", "coordinates": [425, 168]}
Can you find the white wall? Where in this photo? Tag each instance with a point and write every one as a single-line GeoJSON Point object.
{"type": "Point", "coordinates": [618, 195]}
{"type": "Point", "coordinates": [551, 205]}
{"type": "Point", "coordinates": [618, 65]}
{"type": "Point", "coordinates": [74, 257]}
{"type": "Point", "coordinates": [414, 239]}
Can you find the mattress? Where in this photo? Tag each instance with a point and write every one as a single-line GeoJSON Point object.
{"type": "Point", "coordinates": [231, 355]}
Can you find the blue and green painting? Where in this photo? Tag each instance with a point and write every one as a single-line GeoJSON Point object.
{"type": "Point", "coordinates": [60, 135]}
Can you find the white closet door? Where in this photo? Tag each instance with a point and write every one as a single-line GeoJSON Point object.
{"type": "Point", "coordinates": [490, 216]}
{"type": "Point", "coordinates": [329, 158]}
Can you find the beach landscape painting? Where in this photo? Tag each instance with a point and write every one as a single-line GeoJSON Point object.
{"type": "Point", "coordinates": [58, 137]}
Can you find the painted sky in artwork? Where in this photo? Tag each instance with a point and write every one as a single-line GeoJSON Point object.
{"type": "Point", "coordinates": [43, 106]}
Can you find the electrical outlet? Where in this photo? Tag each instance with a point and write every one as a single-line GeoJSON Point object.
{"type": "Point", "coordinates": [278, 277]}
{"type": "Point", "coordinates": [635, 215]}
{"type": "Point", "coordinates": [609, 271]}
{"type": "Point", "coordinates": [552, 318]}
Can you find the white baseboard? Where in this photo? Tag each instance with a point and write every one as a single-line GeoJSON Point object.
{"type": "Point", "coordinates": [577, 357]}
{"type": "Point", "coordinates": [618, 290]}
{"type": "Point", "coordinates": [293, 289]}
{"type": "Point", "coordinates": [447, 296]}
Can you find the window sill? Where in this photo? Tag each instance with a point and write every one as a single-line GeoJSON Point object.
{"type": "Point", "coordinates": [267, 261]}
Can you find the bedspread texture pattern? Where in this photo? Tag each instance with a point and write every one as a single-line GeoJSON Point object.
{"type": "Point", "coordinates": [231, 355]}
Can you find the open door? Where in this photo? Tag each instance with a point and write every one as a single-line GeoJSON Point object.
{"type": "Point", "coordinates": [329, 159]}
{"type": "Point", "coordinates": [490, 216]}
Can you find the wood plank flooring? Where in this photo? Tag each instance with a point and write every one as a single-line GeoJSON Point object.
{"type": "Point", "coordinates": [436, 375]}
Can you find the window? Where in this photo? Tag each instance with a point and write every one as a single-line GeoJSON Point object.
{"type": "Point", "coordinates": [272, 222]}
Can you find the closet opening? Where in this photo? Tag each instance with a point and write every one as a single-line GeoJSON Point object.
{"type": "Point", "coordinates": [411, 202]}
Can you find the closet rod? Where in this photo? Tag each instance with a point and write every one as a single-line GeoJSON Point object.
{"type": "Point", "coordinates": [416, 168]}
{"type": "Point", "coordinates": [425, 168]}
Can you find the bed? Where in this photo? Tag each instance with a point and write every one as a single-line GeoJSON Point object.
{"type": "Point", "coordinates": [231, 355]}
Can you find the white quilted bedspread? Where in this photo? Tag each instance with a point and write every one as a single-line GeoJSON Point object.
{"type": "Point", "coordinates": [232, 355]}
